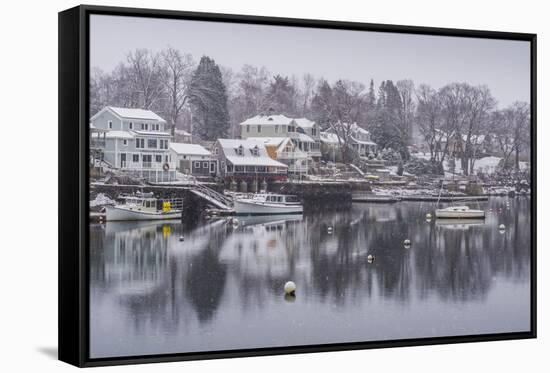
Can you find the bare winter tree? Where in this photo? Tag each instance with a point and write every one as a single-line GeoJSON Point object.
{"type": "Point", "coordinates": [340, 108]}
{"type": "Point", "coordinates": [176, 71]}
{"type": "Point", "coordinates": [145, 73]}
{"type": "Point", "coordinates": [407, 107]}
{"type": "Point", "coordinates": [428, 119]}
{"type": "Point", "coordinates": [478, 105]}
{"type": "Point", "coordinates": [509, 128]}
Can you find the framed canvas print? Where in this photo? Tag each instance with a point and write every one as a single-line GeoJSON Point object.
{"type": "Point", "coordinates": [236, 186]}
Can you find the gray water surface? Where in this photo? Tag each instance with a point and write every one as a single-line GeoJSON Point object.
{"type": "Point", "coordinates": [222, 287]}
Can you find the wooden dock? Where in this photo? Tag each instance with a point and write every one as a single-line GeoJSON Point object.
{"type": "Point", "coordinates": [375, 199]}
{"type": "Point", "coordinates": [445, 198]}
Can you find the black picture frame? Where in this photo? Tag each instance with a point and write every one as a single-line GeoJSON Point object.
{"type": "Point", "coordinates": [74, 186]}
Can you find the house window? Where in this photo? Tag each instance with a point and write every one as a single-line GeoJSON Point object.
{"type": "Point", "coordinates": [247, 128]}
{"type": "Point", "coordinates": [313, 131]}
{"type": "Point", "coordinates": [135, 158]}
{"type": "Point", "coordinates": [216, 150]}
{"type": "Point", "coordinates": [276, 128]}
{"type": "Point", "coordinates": [125, 142]}
{"type": "Point", "coordinates": [146, 126]}
{"type": "Point", "coordinates": [196, 164]}
{"type": "Point", "coordinates": [131, 125]}
{"type": "Point", "coordinates": [166, 158]}
{"type": "Point", "coordinates": [110, 124]}
{"type": "Point", "coordinates": [239, 150]}
{"type": "Point", "coordinates": [204, 164]}
{"type": "Point", "coordinates": [222, 164]}
{"type": "Point", "coordinates": [152, 143]}
{"type": "Point", "coordinates": [255, 151]}
{"type": "Point", "coordinates": [140, 143]}
{"type": "Point", "coordinates": [158, 158]}
{"type": "Point", "coordinates": [259, 129]}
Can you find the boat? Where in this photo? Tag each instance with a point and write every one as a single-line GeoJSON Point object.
{"type": "Point", "coordinates": [267, 204]}
{"type": "Point", "coordinates": [459, 212]}
{"type": "Point", "coordinates": [144, 206]}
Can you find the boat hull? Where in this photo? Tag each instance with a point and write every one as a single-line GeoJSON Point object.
{"type": "Point", "coordinates": [259, 208]}
{"type": "Point", "coordinates": [471, 214]}
{"type": "Point", "coordinates": [116, 213]}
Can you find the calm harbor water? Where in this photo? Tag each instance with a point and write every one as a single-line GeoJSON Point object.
{"type": "Point", "coordinates": [222, 287]}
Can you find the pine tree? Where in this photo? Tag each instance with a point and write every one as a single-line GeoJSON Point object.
{"type": "Point", "coordinates": [208, 96]}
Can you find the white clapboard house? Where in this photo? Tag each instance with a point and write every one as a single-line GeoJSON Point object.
{"type": "Point", "coordinates": [135, 141]}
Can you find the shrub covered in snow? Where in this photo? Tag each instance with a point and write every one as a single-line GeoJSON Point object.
{"type": "Point", "coordinates": [417, 166]}
{"type": "Point", "coordinates": [101, 200]}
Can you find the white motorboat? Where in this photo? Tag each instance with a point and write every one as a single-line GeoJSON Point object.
{"type": "Point", "coordinates": [459, 212]}
{"type": "Point", "coordinates": [268, 204]}
{"type": "Point", "coordinates": [144, 207]}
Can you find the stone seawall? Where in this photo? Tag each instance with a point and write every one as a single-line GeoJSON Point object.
{"type": "Point", "coordinates": [317, 196]}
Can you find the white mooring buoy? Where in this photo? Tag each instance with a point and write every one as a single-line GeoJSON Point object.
{"type": "Point", "coordinates": [235, 222]}
{"type": "Point", "coordinates": [502, 227]}
{"type": "Point", "coordinates": [428, 216]}
{"type": "Point", "coordinates": [370, 258]}
{"type": "Point", "coordinates": [407, 242]}
{"type": "Point", "coordinates": [290, 288]}
{"type": "Point", "coordinates": [182, 238]}
{"type": "Point", "coordinates": [329, 230]}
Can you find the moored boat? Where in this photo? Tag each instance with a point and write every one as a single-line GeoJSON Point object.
{"type": "Point", "coordinates": [459, 212]}
{"type": "Point", "coordinates": [144, 207]}
{"type": "Point", "coordinates": [268, 204]}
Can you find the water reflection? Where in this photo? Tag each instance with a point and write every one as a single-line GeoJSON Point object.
{"type": "Point", "coordinates": [221, 287]}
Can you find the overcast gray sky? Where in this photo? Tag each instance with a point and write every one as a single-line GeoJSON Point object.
{"type": "Point", "coordinates": [502, 65]}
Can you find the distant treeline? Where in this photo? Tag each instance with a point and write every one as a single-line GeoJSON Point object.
{"type": "Point", "coordinates": [211, 100]}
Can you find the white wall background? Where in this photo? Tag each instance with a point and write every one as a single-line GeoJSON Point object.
{"type": "Point", "coordinates": [28, 241]}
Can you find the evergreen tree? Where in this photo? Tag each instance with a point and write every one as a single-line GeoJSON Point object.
{"type": "Point", "coordinates": [281, 96]}
{"type": "Point", "coordinates": [209, 99]}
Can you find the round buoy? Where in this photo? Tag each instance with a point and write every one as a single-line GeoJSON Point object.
{"type": "Point", "coordinates": [370, 258]}
{"type": "Point", "coordinates": [428, 216]}
{"type": "Point", "coordinates": [407, 242]}
{"type": "Point", "coordinates": [329, 230]}
{"type": "Point", "coordinates": [235, 222]}
{"type": "Point", "coordinates": [290, 288]}
{"type": "Point", "coordinates": [181, 238]}
{"type": "Point", "coordinates": [502, 227]}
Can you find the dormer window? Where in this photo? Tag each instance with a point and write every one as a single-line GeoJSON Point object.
{"type": "Point", "coordinates": [131, 125]}
{"type": "Point", "coordinates": [240, 150]}
{"type": "Point", "coordinates": [255, 151]}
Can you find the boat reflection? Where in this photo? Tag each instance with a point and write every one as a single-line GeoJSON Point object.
{"type": "Point", "coordinates": [459, 224]}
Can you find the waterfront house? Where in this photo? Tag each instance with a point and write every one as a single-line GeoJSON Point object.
{"type": "Point", "coordinates": [302, 132]}
{"type": "Point", "coordinates": [284, 150]}
{"type": "Point", "coordinates": [359, 140]}
{"type": "Point", "coordinates": [193, 159]}
{"type": "Point", "coordinates": [247, 160]}
{"type": "Point", "coordinates": [135, 141]}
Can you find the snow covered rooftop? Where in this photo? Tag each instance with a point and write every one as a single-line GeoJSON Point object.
{"type": "Point", "coordinates": [152, 133]}
{"type": "Point", "coordinates": [130, 113]}
{"type": "Point", "coordinates": [181, 132]}
{"type": "Point", "coordinates": [188, 149]}
{"type": "Point", "coordinates": [269, 141]}
{"type": "Point", "coordinates": [304, 122]}
{"type": "Point", "coordinates": [304, 138]}
{"type": "Point", "coordinates": [268, 120]}
{"type": "Point", "coordinates": [232, 147]}
{"type": "Point", "coordinates": [329, 138]}
{"type": "Point", "coordinates": [119, 135]}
